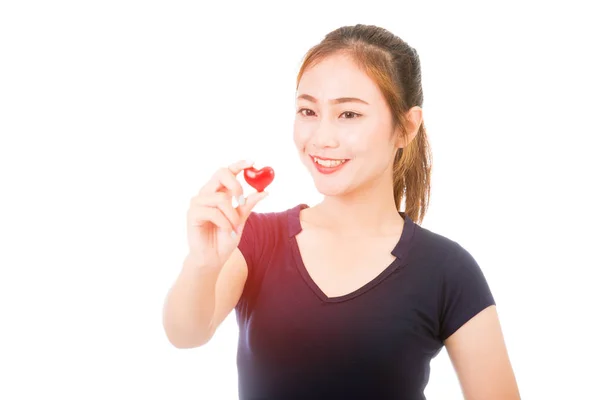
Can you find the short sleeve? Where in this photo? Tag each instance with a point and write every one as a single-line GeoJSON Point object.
{"type": "Point", "coordinates": [247, 241]}
{"type": "Point", "coordinates": [252, 243]}
{"type": "Point", "coordinates": [464, 292]}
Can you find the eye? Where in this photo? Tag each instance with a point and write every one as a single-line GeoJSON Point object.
{"type": "Point", "coordinates": [346, 113]}
{"type": "Point", "coordinates": [301, 111]}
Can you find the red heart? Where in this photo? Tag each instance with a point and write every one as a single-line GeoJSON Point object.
{"type": "Point", "coordinates": [259, 179]}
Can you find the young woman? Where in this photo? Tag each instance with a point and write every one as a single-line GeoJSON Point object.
{"type": "Point", "coordinates": [351, 298]}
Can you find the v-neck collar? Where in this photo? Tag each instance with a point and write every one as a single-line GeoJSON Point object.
{"type": "Point", "coordinates": [400, 251]}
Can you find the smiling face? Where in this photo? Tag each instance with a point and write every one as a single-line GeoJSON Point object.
{"type": "Point", "coordinates": [342, 115]}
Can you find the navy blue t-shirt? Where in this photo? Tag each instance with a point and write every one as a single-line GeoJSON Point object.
{"type": "Point", "coordinates": [373, 343]}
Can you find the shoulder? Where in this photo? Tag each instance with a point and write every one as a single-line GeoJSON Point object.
{"type": "Point", "coordinates": [280, 221]}
{"type": "Point", "coordinates": [268, 229]}
{"type": "Point", "coordinates": [432, 247]}
{"type": "Point", "coordinates": [445, 255]}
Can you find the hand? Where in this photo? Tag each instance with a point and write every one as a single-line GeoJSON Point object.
{"type": "Point", "coordinates": [214, 226]}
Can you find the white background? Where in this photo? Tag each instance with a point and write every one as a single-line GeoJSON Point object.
{"type": "Point", "coordinates": [114, 113]}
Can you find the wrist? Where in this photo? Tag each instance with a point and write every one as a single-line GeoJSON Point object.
{"type": "Point", "coordinates": [196, 263]}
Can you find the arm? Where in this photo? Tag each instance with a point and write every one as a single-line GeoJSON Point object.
{"type": "Point", "coordinates": [201, 298]}
{"type": "Point", "coordinates": [480, 358]}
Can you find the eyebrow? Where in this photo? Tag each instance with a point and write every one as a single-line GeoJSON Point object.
{"type": "Point", "coordinates": [334, 101]}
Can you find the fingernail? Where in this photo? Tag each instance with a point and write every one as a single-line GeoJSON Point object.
{"type": "Point", "coordinates": [241, 200]}
{"type": "Point", "coordinates": [249, 162]}
{"type": "Point", "coordinates": [233, 234]}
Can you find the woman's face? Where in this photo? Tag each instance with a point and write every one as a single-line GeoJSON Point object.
{"type": "Point", "coordinates": [342, 115]}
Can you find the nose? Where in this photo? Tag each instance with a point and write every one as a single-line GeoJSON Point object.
{"type": "Point", "coordinates": [324, 135]}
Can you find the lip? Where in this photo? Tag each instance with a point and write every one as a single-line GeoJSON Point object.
{"type": "Point", "coordinates": [328, 170]}
{"type": "Point", "coordinates": [325, 158]}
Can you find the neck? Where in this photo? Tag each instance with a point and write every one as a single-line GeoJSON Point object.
{"type": "Point", "coordinates": [370, 211]}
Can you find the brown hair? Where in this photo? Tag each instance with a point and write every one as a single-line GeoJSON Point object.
{"type": "Point", "coordinates": [395, 67]}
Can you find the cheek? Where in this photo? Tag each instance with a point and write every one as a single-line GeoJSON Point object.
{"type": "Point", "coordinates": [301, 135]}
{"type": "Point", "coordinates": [363, 138]}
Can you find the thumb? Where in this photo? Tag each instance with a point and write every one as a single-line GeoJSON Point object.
{"type": "Point", "coordinates": [250, 203]}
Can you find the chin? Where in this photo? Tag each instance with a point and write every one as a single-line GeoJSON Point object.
{"type": "Point", "coordinates": [329, 191]}
{"type": "Point", "coordinates": [330, 188]}
{"type": "Point", "coordinates": [333, 184]}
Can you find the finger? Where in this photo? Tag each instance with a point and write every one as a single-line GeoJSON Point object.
{"type": "Point", "coordinates": [251, 202]}
{"type": "Point", "coordinates": [239, 166]}
{"type": "Point", "coordinates": [231, 184]}
{"type": "Point", "coordinates": [223, 180]}
{"type": "Point", "coordinates": [223, 202]}
{"type": "Point", "coordinates": [203, 214]}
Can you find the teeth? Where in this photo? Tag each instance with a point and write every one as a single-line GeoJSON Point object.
{"type": "Point", "coordinates": [328, 163]}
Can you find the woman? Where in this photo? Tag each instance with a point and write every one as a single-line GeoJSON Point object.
{"type": "Point", "coordinates": [350, 298]}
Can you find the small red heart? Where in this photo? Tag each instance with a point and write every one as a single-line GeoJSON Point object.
{"type": "Point", "coordinates": [259, 179]}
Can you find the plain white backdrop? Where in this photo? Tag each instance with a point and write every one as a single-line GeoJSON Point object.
{"type": "Point", "coordinates": [114, 113]}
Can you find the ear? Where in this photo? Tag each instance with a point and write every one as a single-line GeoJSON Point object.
{"type": "Point", "coordinates": [414, 121]}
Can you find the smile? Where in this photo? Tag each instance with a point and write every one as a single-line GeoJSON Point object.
{"type": "Point", "coordinates": [328, 166]}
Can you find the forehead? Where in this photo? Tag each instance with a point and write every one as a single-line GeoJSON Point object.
{"type": "Point", "coordinates": [339, 76]}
